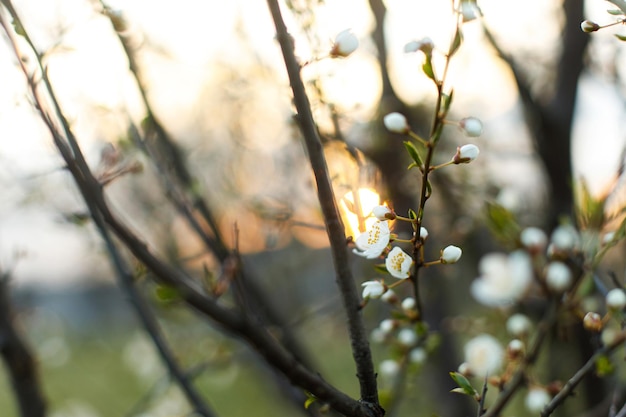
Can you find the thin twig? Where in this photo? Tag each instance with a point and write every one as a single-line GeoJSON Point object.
{"type": "Point", "coordinates": [588, 367]}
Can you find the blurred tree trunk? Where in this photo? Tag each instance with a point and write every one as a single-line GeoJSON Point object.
{"type": "Point", "coordinates": [18, 360]}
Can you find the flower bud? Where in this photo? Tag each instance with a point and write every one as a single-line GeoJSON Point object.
{"type": "Point", "coordinates": [423, 233]}
{"type": "Point", "coordinates": [534, 239]}
{"type": "Point", "coordinates": [469, 10]}
{"type": "Point", "coordinates": [588, 26]}
{"type": "Point", "coordinates": [389, 368]}
{"type": "Point", "coordinates": [536, 399]}
{"type": "Point", "coordinates": [518, 325]}
{"type": "Point", "coordinates": [425, 45]}
{"type": "Point", "coordinates": [451, 254]}
{"type": "Point", "coordinates": [396, 123]}
{"type": "Point", "coordinates": [345, 43]}
{"type": "Point", "coordinates": [515, 349]}
{"type": "Point", "coordinates": [418, 356]}
{"type": "Point", "coordinates": [408, 304]}
{"type": "Point", "coordinates": [387, 325]}
{"type": "Point", "coordinates": [466, 154]}
{"type": "Point", "coordinates": [593, 322]}
{"type": "Point", "coordinates": [383, 213]}
{"type": "Point", "coordinates": [471, 126]}
{"type": "Point", "coordinates": [616, 299]}
{"type": "Point", "coordinates": [389, 297]}
{"type": "Point", "coordinates": [407, 337]}
{"type": "Point", "coordinates": [558, 277]}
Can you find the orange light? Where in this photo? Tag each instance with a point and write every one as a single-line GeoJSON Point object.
{"type": "Point", "coordinates": [356, 212]}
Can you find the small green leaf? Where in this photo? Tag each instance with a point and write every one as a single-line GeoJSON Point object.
{"type": "Point", "coordinates": [446, 101]}
{"type": "Point", "coordinates": [615, 12]}
{"type": "Point", "coordinates": [428, 68]}
{"type": "Point", "coordinates": [502, 223]}
{"type": "Point", "coordinates": [167, 294]}
{"type": "Point", "coordinates": [381, 268]}
{"type": "Point", "coordinates": [621, 37]}
{"type": "Point", "coordinates": [464, 385]}
{"type": "Point", "coordinates": [414, 154]}
{"type": "Point", "coordinates": [604, 366]}
{"type": "Point", "coordinates": [456, 43]}
{"type": "Point", "coordinates": [17, 26]}
{"type": "Point", "coordinates": [310, 399]}
{"type": "Point", "coordinates": [412, 214]}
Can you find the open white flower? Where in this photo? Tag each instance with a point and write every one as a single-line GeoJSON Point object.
{"type": "Point", "coordinates": [484, 355]}
{"type": "Point", "coordinates": [371, 243]}
{"type": "Point", "coordinates": [399, 263]}
{"type": "Point", "coordinates": [503, 279]}
{"type": "Point", "coordinates": [373, 289]}
{"type": "Point", "coordinates": [345, 43]}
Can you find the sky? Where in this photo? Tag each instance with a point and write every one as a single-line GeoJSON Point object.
{"type": "Point", "coordinates": [191, 41]}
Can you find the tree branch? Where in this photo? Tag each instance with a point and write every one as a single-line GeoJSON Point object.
{"type": "Point", "coordinates": [334, 227]}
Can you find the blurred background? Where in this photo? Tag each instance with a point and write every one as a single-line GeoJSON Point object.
{"type": "Point", "coordinates": [550, 97]}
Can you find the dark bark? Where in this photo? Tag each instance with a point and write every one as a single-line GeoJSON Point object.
{"type": "Point", "coordinates": [18, 360]}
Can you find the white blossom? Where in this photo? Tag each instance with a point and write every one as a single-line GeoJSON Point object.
{"type": "Point", "coordinates": [534, 239]}
{"type": "Point", "coordinates": [471, 126]}
{"type": "Point", "coordinates": [418, 355]}
{"type": "Point", "coordinates": [616, 299]}
{"type": "Point", "coordinates": [423, 233]}
{"type": "Point", "coordinates": [558, 276]}
{"type": "Point", "coordinates": [373, 289]}
{"type": "Point", "coordinates": [451, 254]}
{"type": "Point", "coordinates": [503, 279]}
{"type": "Point", "coordinates": [536, 399]}
{"type": "Point", "coordinates": [425, 45]}
{"type": "Point", "coordinates": [466, 154]}
{"type": "Point", "coordinates": [469, 10]}
{"type": "Point", "coordinates": [408, 304]}
{"type": "Point", "coordinates": [589, 26]}
{"type": "Point", "coordinates": [407, 337]}
{"type": "Point", "coordinates": [484, 355]}
{"type": "Point", "coordinates": [345, 43]}
{"type": "Point", "coordinates": [389, 368]}
{"type": "Point", "coordinates": [389, 297]}
{"type": "Point", "coordinates": [387, 325]}
{"type": "Point", "coordinates": [396, 123]}
{"type": "Point", "coordinates": [608, 238]}
{"type": "Point", "coordinates": [565, 238]}
{"type": "Point", "coordinates": [518, 325]}
{"type": "Point", "coordinates": [399, 263]}
{"type": "Point", "coordinates": [383, 213]}
{"type": "Point", "coordinates": [371, 243]}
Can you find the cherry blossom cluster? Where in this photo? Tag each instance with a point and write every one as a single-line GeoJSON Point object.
{"type": "Point", "coordinates": [541, 267]}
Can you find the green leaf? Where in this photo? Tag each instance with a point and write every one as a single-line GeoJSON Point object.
{"type": "Point", "coordinates": [446, 101]}
{"type": "Point", "coordinates": [604, 366]}
{"type": "Point", "coordinates": [590, 210]}
{"type": "Point", "coordinates": [166, 294]}
{"type": "Point", "coordinates": [464, 385]}
{"type": "Point", "coordinates": [310, 399]}
{"type": "Point", "coordinates": [615, 12]}
{"type": "Point", "coordinates": [381, 268]}
{"type": "Point", "coordinates": [412, 214]}
{"type": "Point", "coordinates": [502, 223]}
{"type": "Point", "coordinates": [414, 154]}
{"type": "Point", "coordinates": [619, 3]}
{"type": "Point", "coordinates": [621, 37]}
{"type": "Point", "coordinates": [427, 67]}
{"type": "Point", "coordinates": [456, 43]}
{"type": "Point", "coordinates": [17, 26]}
